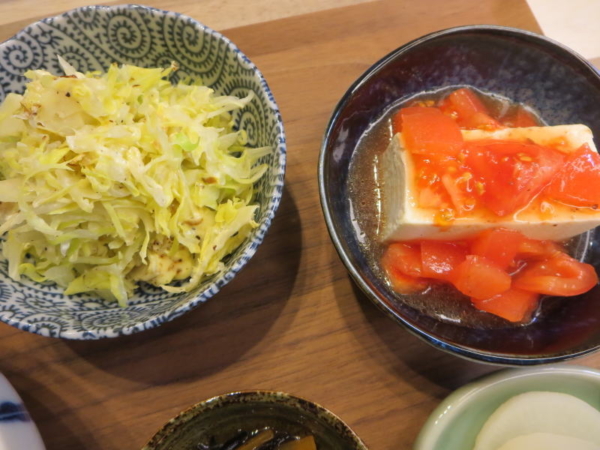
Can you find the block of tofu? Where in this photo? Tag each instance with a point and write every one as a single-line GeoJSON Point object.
{"type": "Point", "coordinates": [403, 220]}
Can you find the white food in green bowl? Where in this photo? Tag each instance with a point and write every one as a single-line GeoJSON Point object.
{"type": "Point", "coordinates": [519, 409]}
{"type": "Point", "coordinates": [547, 441]}
{"type": "Point", "coordinates": [537, 415]}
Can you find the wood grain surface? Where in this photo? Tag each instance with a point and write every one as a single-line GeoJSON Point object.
{"type": "Point", "coordinates": [292, 320]}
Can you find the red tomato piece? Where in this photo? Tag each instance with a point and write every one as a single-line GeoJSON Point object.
{"type": "Point", "coordinates": [413, 109]}
{"type": "Point", "coordinates": [533, 249]}
{"type": "Point", "coordinates": [499, 245]}
{"type": "Point", "coordinates": [440, 259]}
{"type": "Point", "coordinates": [559, 275]}
{"type": "Point", "coordinates": [513, 305]}
{"type": "Point", "coordinates": [405, 258]}
{"type": "Point", "coordinates": [427, 131]}
{"type": "Point", "coordinates": [469, 112]}
{"type": "Point", "coordinates": [403, 284]}
{"type": "Point", "coordinates": [521, 118]}
{"type": "Point", "coordinates": [462, 200]}
{"type": "Point", "coordinates": [398, 258]}
{"type": "Point", "coordinates": [578, 182]}
{"type": "Point", "coordinates": [480, 278]}
{"type": "Point", "coordinates": [430, 198]}
{"type": "Point", "coordinates": [512, 173]}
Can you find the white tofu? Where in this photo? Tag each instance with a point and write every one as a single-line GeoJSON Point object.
{"type": "Point", "coordinates": [403, 220]}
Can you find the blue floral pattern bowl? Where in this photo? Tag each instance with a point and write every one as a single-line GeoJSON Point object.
{"type": "Point", "coordinates": [17, 429]}
{"type": "Point", "coordinates": [92, 38]}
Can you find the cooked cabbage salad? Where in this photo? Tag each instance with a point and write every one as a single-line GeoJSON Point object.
{"type": "Point", "coordinates": [111, 179]}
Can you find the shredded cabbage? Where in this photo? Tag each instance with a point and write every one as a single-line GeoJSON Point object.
{"type": "Point", "coordinates": [111, 179]}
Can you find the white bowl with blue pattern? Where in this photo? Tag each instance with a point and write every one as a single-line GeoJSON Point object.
{"type": "Point", "coordinates": [17, 430]}
{"type": "Point", "coordinates": [92, 38]}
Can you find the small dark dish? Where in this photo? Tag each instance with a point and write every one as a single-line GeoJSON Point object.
{"type": "Point", "coordinates": [522, 66]}
{"type": "Point", "coordinates": [221, 418]}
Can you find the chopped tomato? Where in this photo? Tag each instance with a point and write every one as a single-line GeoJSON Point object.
{"type": "Point", "coordinates": [533, 249]}
{"type": "Point", "coordinates": [499, 245]}
{"type": "Point", "coordinates": [513, 305]}
{"type": "Point", "coordinates": [457, 189]}
{"type": "Point", "coordinates": [403, 284]}
{"type": "Point", "coordinates": [430, 198]}
{"type": "Point", "coordinates": [578, 182]}
{"type": "Point", "coordinates": [469, 112]}
{"type": "Point", "coordinates": [559, 275]}
{"type": "Point", "coordinates": [478, 268]}
{"type": "Point", "coordinates": [439, 259]}
{"type": "Point", "coordinates": [428, 168]}
{"type": "Point", "coordinates": [521, 118]}
{"type": "Point", "coordinates": [405, 258]}
{"type": "Point", "coordinates": [480, 278]}
{"type": "Point", "coordinates": [427, 131]}
{"type": "Point", "coordinates": [416, 108]}
{"type": "Point", "coordinates": [399, 258]}
{"type": "Point", "coordinates": [511, 173]}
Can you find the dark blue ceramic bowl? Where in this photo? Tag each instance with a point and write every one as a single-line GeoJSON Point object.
{"type": "Point", "coordinates": [522, 66]}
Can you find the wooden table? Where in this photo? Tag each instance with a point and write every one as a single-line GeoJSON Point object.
{"type": "Point", "coordinates": [292, 320]}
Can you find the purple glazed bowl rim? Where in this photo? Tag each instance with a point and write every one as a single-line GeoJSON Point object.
{"type": "Point", "coordinates": [353, 269]}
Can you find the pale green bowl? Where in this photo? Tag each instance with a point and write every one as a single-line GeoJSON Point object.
{"type": "Point", "coordinates": [455, 423]}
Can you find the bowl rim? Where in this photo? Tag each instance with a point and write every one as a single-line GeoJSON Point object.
{"type": "Point", "coordinates": [250, 247]}
{"type": "Point", "coordinates": [462, 397]}
{"type": "Point", "coordinates": [455, 349]}
{"type": "Point", "coordinates": [28, 431]}
{"type": "Point", "coordinates": [248, 396]}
